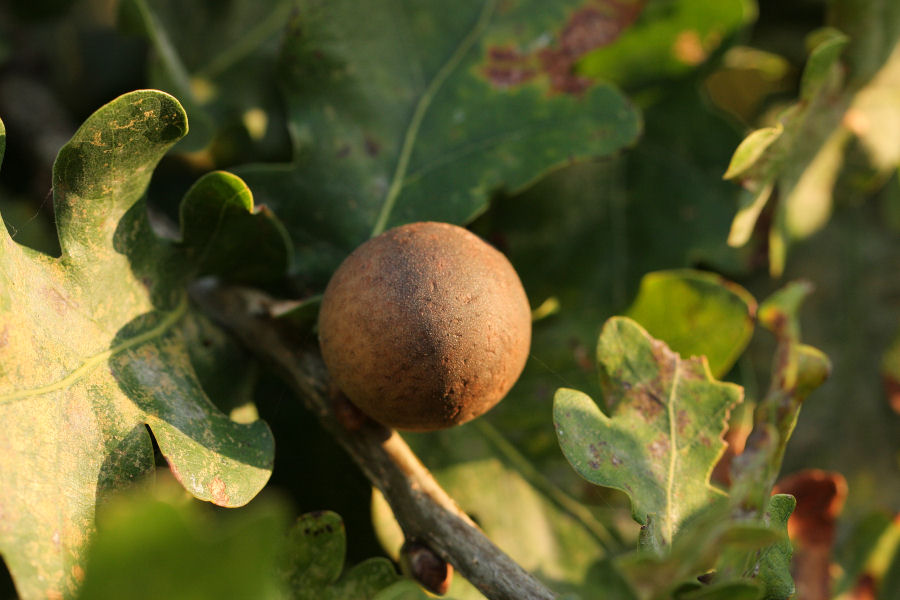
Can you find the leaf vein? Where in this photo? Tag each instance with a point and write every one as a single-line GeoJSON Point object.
{"type": "Point", "coordinates": [673, 447]}
{"type": "Point", "coordinates": [90, 363]}
{"type": "Point", "coordinates": [412, 131]}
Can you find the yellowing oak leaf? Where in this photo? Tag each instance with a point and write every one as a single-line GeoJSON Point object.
{"type": "Point", "coordinates": [93, 349]}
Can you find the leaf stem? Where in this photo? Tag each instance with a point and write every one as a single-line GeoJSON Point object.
{"type": "Point", "coordinates": [412, 131]}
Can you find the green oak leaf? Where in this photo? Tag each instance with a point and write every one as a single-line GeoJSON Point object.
{"type": "Point", "coordinates": [767, 566]}
{"type": "Point", "coordinates": [667, 40]}
{"type": "Point", "coordinates": [849, 90]}
{"type": "Point", "coordinates": [729, 590]}
{"type": "Point", "coordinates": [704, 538]}
{"type": "Point", "coordinates": [797, 370]}
{"type": "Point", "coordinates": [773, 565]}
{"type": "Point", "coordinates": [315, 561]}
{"type": "Point", "coordinates": [405, 590]}
{"type": "Point", "coordinates": [384, 134]}
{"type": "Point", "coordinates": [216, 233]}
{"type": "Point", "coordinates": [752, 149]}
{"type": "Point", "coordinates": [218, 58]}
{"type": "Point", "coordinates": [664, 435]}
{"type": "Point", "coordinates": [696, 314]}
{"type": "Point", "coordinates": [93, 350]}
{"type": "Point", "coordinates": [157, 545]}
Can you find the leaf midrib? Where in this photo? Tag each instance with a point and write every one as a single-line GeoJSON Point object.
{"type": "Point", "coordinates": [422, 106]}
{"type": "Point", "coordinates": [673, 447]}
{"type": "Point", "coordinates": [90, 363]}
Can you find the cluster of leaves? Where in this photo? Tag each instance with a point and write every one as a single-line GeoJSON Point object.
{"type": "Point", "coordinates": [493, 114]}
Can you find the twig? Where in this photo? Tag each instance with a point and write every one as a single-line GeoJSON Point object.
{"type": "Point", "coordinates": [423, 509]}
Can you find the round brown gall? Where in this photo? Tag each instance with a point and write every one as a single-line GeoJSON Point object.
{"type": "Point", "coordinates": [425, 326]}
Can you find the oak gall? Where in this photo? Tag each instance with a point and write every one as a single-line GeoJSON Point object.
{"type": "Point", "coordinates": [425, 326]}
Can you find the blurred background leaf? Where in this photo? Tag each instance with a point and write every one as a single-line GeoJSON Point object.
{"type": "Point", "coordinates": [157, 542]}
{"type": "Point", "coordinates": [165, 545]}
{"type": "Point", "coordinates": [219, 59]}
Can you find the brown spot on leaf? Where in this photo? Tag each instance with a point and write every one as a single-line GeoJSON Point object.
{"type": "Point", "coordinates": [595, 24]}
{"type": "Point", "coordinates": [218, 492]}
{"type": "Point", "coordinates": [175, 472]}
{"type": "Point", "coordinates": [343, 151]}
{"type": "Point", "coordinates": [665, 359]}
{"type": "Point", "coordinates": [682, 420]}
{"type": "Point", "coordinates": [646, 402]}
{"type": "Point", "coordinates": [659, 447]}
{"type": "Point", "coordinates": [507, 67]}
{"type": "Point", "coordinates": [820, 498]}
{"type": "Point", "coordinates": [372, 147]}
{"type": "Point", "coordinates": [4, 336]}
{"type": "Point", "coordinates": [59, 302]}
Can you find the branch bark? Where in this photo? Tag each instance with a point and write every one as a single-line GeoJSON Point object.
{"type": "Point", "coordinates": [423, 509]}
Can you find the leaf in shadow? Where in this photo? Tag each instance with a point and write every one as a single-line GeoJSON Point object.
{"type": "Point", "coordinates": [710, 533]}
{"type": "Point", "coordinates": [420, 124]}
{"type": "Point", "coordinates": [219, 59]}
{"type": "Point", "coordinates": [314, 562]}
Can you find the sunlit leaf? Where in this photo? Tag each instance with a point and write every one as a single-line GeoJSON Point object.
{"type": "Point", "coordinates": [94, 350]}
{"type": "Point", "coordinates": [849, 89]}
{"type": "Point", "coordinates": [664, 433]}
{"type": "Point", "coordinates": [751, 150]}
{"type": "Point", "coordinates": [696, 314]}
